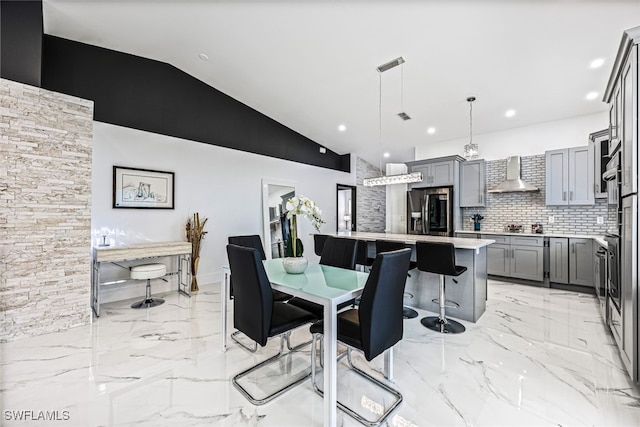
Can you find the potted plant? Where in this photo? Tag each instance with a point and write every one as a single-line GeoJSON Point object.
{"type": "Point", "coordinates": [296, 206]}
{"type": "Point", "coordinates": [476, 221]}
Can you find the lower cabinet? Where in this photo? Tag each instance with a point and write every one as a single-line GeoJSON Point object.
{"type": "Point", "coordinates": [571, 261]}
{"type": "Point", "coordinates": [515, 256]}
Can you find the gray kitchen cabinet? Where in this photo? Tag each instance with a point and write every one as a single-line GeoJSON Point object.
{"type": "Point", "coordinates": [498, 259]}
{"type": "Point", "coordinates": [439, 172]}
{"type": "Point", "coordinates": [629, 162]}
{"type": "Point", "coordinates": [559, 260]}
{"type": "Point", "coordinates": [472, 183]}
{"type": "Point", "coordinates": [570, 176]}
{"type": "Point", "coordinates": [629, 285]}
{"type": "Point", "coordinates": [581, 262]}
{"type": "Point", "coordinates": [467, 235]}
{"type": "Point", "coordinates": [515, 256]}
{"type": "Point", "coordinates": [600, 142]}
{"type": "Point", "coordinates": [526, 258]}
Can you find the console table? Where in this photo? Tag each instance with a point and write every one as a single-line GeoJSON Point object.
{"type": "Point", "coordinates": [140, 251]}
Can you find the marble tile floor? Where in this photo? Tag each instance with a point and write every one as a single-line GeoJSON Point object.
{"type": "Point", "coordinates": [537, 357]}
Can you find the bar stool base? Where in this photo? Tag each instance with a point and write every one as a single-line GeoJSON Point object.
{"type": "Point", "coordinates": [409, 313]}
{"type": "Point", "coordinates": [148, 303]}
{"type": "Point", "coordinates": [447, 327]}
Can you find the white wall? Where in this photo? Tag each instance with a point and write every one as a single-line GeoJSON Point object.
{"type": "Point", "coordinates": [221, 184]}
{"type": "Point", "coordinates": [522, 141]}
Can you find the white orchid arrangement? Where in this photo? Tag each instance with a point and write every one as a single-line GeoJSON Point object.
{"type": "Point", "coordinates": [301, 205]}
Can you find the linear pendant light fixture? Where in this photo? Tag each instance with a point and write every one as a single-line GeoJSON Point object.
{"type": "Point", "coordinates": [406, 178]}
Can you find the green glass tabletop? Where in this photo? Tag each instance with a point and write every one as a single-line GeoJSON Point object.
{"type": "Point", "coordinates": [318, 282]}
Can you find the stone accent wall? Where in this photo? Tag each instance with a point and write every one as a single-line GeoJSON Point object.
{"type": "Point", "coordinates": [530, 208]}
{"type": "Point", "coordinates": [371, 203]}
{"type": "Point", "coordinates": [45, 214]}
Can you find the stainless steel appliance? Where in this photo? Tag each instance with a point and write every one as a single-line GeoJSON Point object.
{"type": "Point", "coordinates": [612, 177]}
{"type": "Point", "coordinates": [430, 211]}
{"type": "Point", "coordinates": [600, 282]}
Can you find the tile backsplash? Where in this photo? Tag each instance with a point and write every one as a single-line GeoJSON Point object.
{"type": "Point", "coordinates": [370, 201]}
{"type": "Point", "coordinates": [529, 208]}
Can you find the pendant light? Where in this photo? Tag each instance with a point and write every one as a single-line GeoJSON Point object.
{"type": "Point", "coordinates": [390, 179]}
{"type": "Point", "coordinates": [471, 150]}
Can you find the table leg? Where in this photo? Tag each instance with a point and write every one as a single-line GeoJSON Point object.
{"type": "Point", "coordinates": [330, 364]}
{"type": "Point", "coordinates": [388, 364]}
{"type": "Point", "coordinates": [224, 289]}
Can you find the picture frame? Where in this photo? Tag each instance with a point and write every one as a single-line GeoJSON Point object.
{"type": "Point", "coordinates": [135, 188]}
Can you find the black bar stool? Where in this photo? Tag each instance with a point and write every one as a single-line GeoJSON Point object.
{"type": "Point", "coordinates": [440, 258]}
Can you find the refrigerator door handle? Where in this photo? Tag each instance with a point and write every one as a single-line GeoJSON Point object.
{"type": "Point", "coordinates": [425, 212]}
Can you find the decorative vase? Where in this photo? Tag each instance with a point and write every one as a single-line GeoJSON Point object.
{"type": "Point", "coordinates": [476, 226]}
{"type": "Point", "coordinates": [295, 265]}
{"type": "Point", "coordinates": [194, 272]}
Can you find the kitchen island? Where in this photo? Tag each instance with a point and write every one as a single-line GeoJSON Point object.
{"type": "Point", "coordinates": [469, 289]}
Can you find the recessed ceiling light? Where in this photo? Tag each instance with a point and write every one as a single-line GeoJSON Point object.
{"type": "Point", "coordinates": [203, 56]}
{"type": "Point", "coordinates": [510, 113]}
{"type": "Point", "coordinates": [431, 131]}
{"type": "Point", "coordinates": [342, 128]}
{"type": "Point", "coordinates": [591, 95]}
{"type": "Point", "coordinates": [386, 154]}
{"type": "Point", "coordinates": [596, 63]}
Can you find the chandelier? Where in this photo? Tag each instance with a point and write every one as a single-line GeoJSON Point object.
{"type": "Point", "coordinates": [390, 179]}
{"type": "Point", "coordinates": [471, 150]}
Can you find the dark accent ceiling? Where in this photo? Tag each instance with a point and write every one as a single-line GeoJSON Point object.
{"type": "Point", "coordinates": [154, 96]}
{"type": "Point", "coordinates": [21, 41]}
{"type": "Point", "coordinates": [144, 94]}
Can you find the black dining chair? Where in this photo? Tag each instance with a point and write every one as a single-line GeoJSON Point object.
{"type": "Point", "coordinates": [258, 316]}
{"type": "Point", "coordinates": [254, 241]}
{"type": "Point", "coordinates": [393, 245]}
{"type": "Point", "coordinates": [362, 255]}
{"type": "Point", "coordinates": [338, 252]}
{"type": "Point", "coordinates": [318, 243]}
{"type": "Point", "coordinates": [375, 326]}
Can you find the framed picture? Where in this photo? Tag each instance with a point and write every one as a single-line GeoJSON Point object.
{"type": "Point", "coordinates": [142, 188]}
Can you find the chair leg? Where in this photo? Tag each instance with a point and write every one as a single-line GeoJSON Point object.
{"type": "Point", "coordinates": [283, 339]}
{"type": "Point", "coordinates": [384, 416]}
{"type": "Point", "coordinates": [441, 323]}
{"type": "Point", "coordinates": [249, 349]}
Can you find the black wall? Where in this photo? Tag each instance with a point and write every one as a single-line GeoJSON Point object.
{"type": "Point", "coordinates": [149, 95]}
{"type": "Point", "coordinates": [21, 41]}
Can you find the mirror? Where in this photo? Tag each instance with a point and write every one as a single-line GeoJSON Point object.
{"type": "Point", "coordinates": [275, 194]}
{"type": "Point", "coordinates": [346, 208]}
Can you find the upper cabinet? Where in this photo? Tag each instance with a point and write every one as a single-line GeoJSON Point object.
{"type": "Point", "coordinates": [629, 124]}
{"type": "Point", "coordinates": [600, 142]}
{"type": "Point", "coordinates": [570, 176]}
{"type": "Point", "coordinates": [622, 96]}
{"type": "Point", "coordinates": [472, 183]}
{"type": "Point", "coordinates": [439, 172]}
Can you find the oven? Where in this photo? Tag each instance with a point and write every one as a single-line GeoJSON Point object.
{"type": "Point", "coordinates": [600, 282]}
{"type": "Point", "coordinates": [612, 177]}
{"type": "Point", "coordinates": [613, 269]}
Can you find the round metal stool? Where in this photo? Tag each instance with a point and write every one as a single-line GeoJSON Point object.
{"type": "Point", "coordinates": [148, 272]}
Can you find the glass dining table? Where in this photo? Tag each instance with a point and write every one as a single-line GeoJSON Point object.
{"type": "Point", "coordinates": [325, 285]}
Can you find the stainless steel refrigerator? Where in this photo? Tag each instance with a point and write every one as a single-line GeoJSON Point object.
{"type": "Point", "coordinates": [430, 211]}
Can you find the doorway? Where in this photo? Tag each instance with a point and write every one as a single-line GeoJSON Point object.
{"type": "Point", "coordinates": [345, 208]}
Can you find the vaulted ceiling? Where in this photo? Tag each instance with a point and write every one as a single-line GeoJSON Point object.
{"type": "Point", "coordinates": [311, 64]}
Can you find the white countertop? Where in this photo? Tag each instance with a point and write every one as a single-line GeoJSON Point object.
{"type": "Point", "coordinates": [123, 252]}
{"type": "Point", "coordinates": [458, 242]}
{"type": "Point", "coordinates": [597, 237]}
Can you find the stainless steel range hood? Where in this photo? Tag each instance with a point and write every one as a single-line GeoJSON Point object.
{"type": "Point", "coordinates": [513, 183]}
